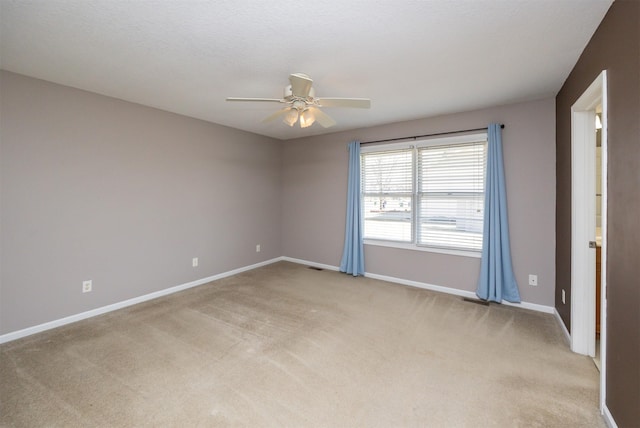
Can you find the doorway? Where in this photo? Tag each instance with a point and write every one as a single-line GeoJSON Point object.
{"type": "Point", "coordinates": [584, 239]}
{"type": "Point", "coordinates": [598, 125]}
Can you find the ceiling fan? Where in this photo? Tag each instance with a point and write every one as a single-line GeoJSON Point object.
{"type": "Point", "coordinates": [302, 104]}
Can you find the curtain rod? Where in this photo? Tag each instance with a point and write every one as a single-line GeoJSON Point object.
{"type": "Point", "coordinates": [415, 137]}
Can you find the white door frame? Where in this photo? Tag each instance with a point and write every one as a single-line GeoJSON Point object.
{"type": "Point", "coordinates": [583, 214]}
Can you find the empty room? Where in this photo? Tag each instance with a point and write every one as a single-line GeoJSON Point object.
{"type": "Point", "coordinates": [320, 214]}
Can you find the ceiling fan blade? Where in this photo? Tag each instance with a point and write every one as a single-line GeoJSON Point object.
{"type": "Point", "coordinates": [275, 100]}
{"type": "Point", "coordinates": [275, 115]}
{"type": "Point", "coordinates": [345, 102]}
{"type": "Point", "coordinates": [300, 85]}
{"type": "Point", "coordinates": [322, 118]}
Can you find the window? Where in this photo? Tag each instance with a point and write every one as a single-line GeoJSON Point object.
{"type": "Point", "coordinates": [429, 195]}
{"type": "Point", "coordinates": [387, 186]}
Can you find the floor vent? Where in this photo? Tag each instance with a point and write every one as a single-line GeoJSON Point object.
{"type": "Point", "coordinates": [315, 268]}
{"type": "Point", "coordinates": [476, 301]}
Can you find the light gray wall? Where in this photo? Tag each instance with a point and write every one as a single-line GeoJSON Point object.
{"type": "Point", "coordinates": [125, 195]}
{"type": "Point", "coordinates": [96, 188]}
{"type": "Point", "coordinates": [314, 199]}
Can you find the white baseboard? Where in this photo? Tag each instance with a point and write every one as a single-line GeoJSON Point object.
{"type": "Point", "coordinates": [119, 305]}
{"type": "Point", "coordinates": [308, 263]}
{"type": "Point", "coordinates": [567, 335]}
{"type": "Point", "coordinates": [608, 418]}
{"type": "Point", "coordinates": [454, 291]}
{"type": "Point", "coordinates": [115, 306]}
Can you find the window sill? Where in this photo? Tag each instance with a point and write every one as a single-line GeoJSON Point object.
{"type": "Point", "coordinates": [391, 244]}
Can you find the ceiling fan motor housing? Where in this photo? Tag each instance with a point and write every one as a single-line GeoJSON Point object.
{"type": "Point", "coordinates": [288, 94]}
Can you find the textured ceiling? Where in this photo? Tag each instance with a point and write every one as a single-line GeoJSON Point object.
{"type": "Point", "coordinates": [414, 59]}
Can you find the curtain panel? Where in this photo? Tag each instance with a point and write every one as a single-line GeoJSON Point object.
{"type": "Point", "coordinates": [353, 254]}
{"type": "Point", "coordinates": [497, 280]}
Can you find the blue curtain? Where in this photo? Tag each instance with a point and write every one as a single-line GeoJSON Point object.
{"type": "Point", "coordinates": [497, 280]}
{"type": "Point", "coordinates": [353, 255]}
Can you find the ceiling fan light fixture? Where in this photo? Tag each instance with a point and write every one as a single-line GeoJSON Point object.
{"type": "Point", "coordinates": [291, 117]}
{"type": "Point", "coordinates": [306, 118]}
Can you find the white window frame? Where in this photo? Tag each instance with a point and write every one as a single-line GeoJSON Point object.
{"type": "Point", "coordinates": [449, 140]}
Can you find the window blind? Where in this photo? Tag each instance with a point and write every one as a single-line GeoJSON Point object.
{"type": "Point", "coordinates": [450, 181]}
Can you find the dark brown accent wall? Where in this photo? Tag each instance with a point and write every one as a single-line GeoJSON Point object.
{"type": "Point", "coordinates": [614, 47]}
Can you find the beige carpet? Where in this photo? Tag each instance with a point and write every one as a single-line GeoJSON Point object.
{"type": "Point", "coordinates": [288, 346]}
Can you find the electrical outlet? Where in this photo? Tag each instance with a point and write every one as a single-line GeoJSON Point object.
{"type": "Point", "coordinates": [258, 248]}
{"type": "Point", "coordinates": [533, 280]}
{"type": "Point", "coordinates": [563, 297]}
{"type": "Point", "coordinates": [194, 262]}
{"type": "Point", "coordinates": [87, 286]}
